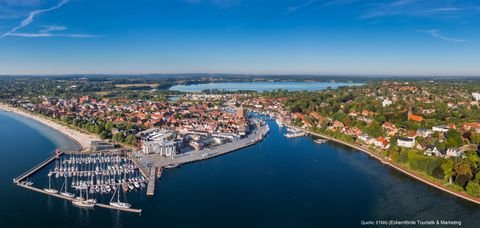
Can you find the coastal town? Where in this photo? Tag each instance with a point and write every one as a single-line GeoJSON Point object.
{"type": "Point", "coordinates": [428, 130]}
{"type": "Point", "coordinates": [152, 135]}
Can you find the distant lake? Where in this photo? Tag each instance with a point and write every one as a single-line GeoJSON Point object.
{"type": "Point", "coordinates": [263, 86]}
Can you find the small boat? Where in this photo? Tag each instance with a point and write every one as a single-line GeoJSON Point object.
{"type": "Point", "coordinates": [294, 134]}
{"type": "Point", "coordinates": [50, 189]}
{"type": "Point", "coordinates": [171, 166]}
{"type": "Point", "coordinates": [279, 122]}
{"type": "Point", "coordinates": [320, 141]}
{"type": "Point", "coordinates": [83, 203]}
{"type": "Point", "coordinates": [28, 183]}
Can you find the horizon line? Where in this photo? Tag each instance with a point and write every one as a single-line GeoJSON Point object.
{"type": "Point", "coordinates": [235, 74]}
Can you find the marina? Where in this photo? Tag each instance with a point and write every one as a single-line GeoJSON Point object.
{"type": "Point", "coordinates": [85, 177]}
{"type": "Point", "coordinates": [89, 174]}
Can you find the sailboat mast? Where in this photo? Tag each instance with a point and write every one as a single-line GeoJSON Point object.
{"type": "Point", "coordinates": [113, 195]}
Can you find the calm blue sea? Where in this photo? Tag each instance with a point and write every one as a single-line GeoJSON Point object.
{"type": "Point", "coordinates": [277, 183]}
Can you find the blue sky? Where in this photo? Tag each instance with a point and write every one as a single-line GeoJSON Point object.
{"type": "Point", "coordinates": [345, 37]}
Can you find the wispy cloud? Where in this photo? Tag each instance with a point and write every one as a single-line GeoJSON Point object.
{"type": "Point", "coordinates": [31, 17]}
{"type": "Point", "coordinates": [52, 28]}
{"type": "Point", "coordinates": [419, 8]}
{"type": "Point", "coordinates": [35, 35]}
{"type": "Point", "coordinates": [47, 31]}
{"type": "Point", "coordinates": [292, 9]}
{"type": "Point", "coordinates": [436, 33]}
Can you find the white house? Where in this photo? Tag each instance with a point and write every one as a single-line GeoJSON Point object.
{"type": "Point", "coordinates": [406, 142]}
{"type": "Point", "coordinates": [452, 152]}
{"type": "Point", "coordinates": [422, 132]}
{"type": "Point", "coordinates": [433, 151]}
{"type": "Point", "coordinates": [476, 96]}
{"type": "Point", "coordinates": [386, 102]}
{"type": "Point", "coordinates": [366, 139]}
{"type": "Point", "coordinates": [441, 128]}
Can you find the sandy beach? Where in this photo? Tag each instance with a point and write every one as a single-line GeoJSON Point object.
{"type": "Point", "coordinates": [83, 139]}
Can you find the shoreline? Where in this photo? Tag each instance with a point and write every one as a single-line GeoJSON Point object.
{"type": "Point", "coordinates": [397, 167]}
{"type": "Point", "coordinates": [83, 140]}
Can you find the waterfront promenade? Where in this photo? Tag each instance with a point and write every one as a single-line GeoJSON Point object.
{"type": "Point", "coordinates": [154, 160]}
{"type": "Point", "coordinates": [149, 163]}
{"type": "Point", "coordinates": [397, 167]}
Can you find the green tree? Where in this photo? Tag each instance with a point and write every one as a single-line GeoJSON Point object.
{"type": "Point", "coordinates": [475, 138]}
{"type": "Point", "coordinates": [473, 188]}
{"type": "Point", "coordinates": [447, 167]}
{"type": "Point", "coordinates": [454, 138]}
{"type": "Point", "coordinates": [131, 140]}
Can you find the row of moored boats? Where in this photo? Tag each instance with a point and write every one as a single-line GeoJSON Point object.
{"type": "Point", "coordinates": [95, 174]}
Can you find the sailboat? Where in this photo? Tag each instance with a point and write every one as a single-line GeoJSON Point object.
{"type": "Point", "coordinates": [65, 193]}
{"type": "Point", "coordinates": [50, 189]}
{"type": "Point", "coordinates": [85, 203]}
{"type": "Point", "coordinates": [118, 203]}
{"type": "Point", "coordinates": [28, 183]}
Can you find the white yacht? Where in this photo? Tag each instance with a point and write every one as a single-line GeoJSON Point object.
{"type": "Point", "coordinates": [50, 189]}
{"type": "Point", "coordinates": [118, 203]}
{"type": "Point", "coordinates": [85, 203]}
{"type": "Point", "coordinates": [65, 193]}
{"type": "Point", "coordinates": [320, 141]}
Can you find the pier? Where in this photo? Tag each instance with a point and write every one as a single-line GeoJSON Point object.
{"type": "Point", "coordinates": [258, 135]}
{"type": "Point", "coordinates": [36, 168]}
{"type": "Point", "coordinates": [151, 182]}
{"type": "Point", "coordinates": [18, 181]}
{"type": "Point", "coordinates": [71, 199]}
